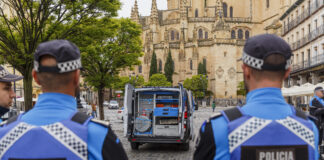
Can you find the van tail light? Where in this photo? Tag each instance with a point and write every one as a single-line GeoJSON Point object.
{"type": "Point", "coordinates": [119, 111]}
{"type": "Point", "coordinates": [186, 115]}
{"type": "Point", "coordinates": [184, 126]}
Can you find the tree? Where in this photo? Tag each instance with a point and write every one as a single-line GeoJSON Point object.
{"type": "Point", "coordinates": [122, 81]}
{"type": "Point", "coordinates": [32, 22]}
{"type": "Point", "coordinates": [169, 67]}
{"type": "Point", "coordinates": [200, 68]}
{"type": "Point", "coordinates": [118, 46]}
{"type": "Point", "coordinates": [158, 80]}
{"type": "Point", "coordinates": [153, 67]}
{"type": "Point", "coordinates": [197, 84]}
{"type": "Point", "coordinates": [241, 89]}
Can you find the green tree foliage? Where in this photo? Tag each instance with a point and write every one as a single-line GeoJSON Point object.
{"type": "Point", "coordinates": [122, 81]}
{"type": "Point", "coordinates": [153, 67]}
{"type": "Point", "coordinates": [198, 85]}
{"type": "Point", "coordinates": [32, 22]}
{"type": "Point", "coordinates": [202, 67]}
{"type": "Point", "coordinates": [117, 45]}
{"type": "Point", "coordinates": [158, 80]}
{"type": "Point", "coordinates": [241, 89]}
{"type": "Point", "coordinates": [169, 67]}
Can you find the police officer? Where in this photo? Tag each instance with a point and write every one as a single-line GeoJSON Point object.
{"type": "Point", "coordinates": [266, 127]}
{"type": "Point", "coordinates": [6, 92]}
{"type": "Point", "coordinates": [54, 129]}
{"type": "Point", "coordinates": [317, 101]}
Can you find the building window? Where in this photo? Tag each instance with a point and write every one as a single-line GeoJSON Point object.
{"type": "Point", "coordinates": [315, 23]}
{"type": "Point", "coordinates": [231, 12]}
{"type": "Point", "coordinates": [190, 64]}
{"type": "Point", "coordinates": [225, 54]}
{"type": "Point", "coordinates": [206, 35]}
{"type": "Point", "coordinates": [309, 28]}
{"type": "Point", "coordinates": [200, 34]}
{"type": "Point", "coordinates": [240, 34]}
{"type": "Point", "coordinates": [196, 13]}
{"type": "Point", "coordinates": [233, 34]}
{"type": "Point", "coordinates": [172, 35]}
{"type": "Point", "coordinates": [247, 34]}
{"type": "Point", "coordinates": [140, 69]}
{"type": "Point", "coordinates": [268, 3]}
{"type": "Point", "coordinates": [225, 9]}
{"type": "Point", "coordinates": [178, 36]}
{"type": "Point", "coordinates": [160, 65]}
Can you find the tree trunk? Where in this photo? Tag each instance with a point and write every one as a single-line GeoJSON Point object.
{"type": "Point", "coordinates": [28, 91]}
{"type": "Point", "coordinates": [100, 98]}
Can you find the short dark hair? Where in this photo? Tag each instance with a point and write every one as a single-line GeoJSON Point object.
{"type": "Point", "coordinates": [274, 60]}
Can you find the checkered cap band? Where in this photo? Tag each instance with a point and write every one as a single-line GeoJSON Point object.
{"type": "Point", "coordinates": [246, 131]}
{"type": "Point", "coordinates": [258, 63]}
{"type": "Point", "coordinates": [69, 139]}
{"type": "Point", "coordinates": [299, 130]}
{"type": "Point", "coordinates": [12, 136]}
{"type": "Point", "coordinates": [4, 73]}
{"type": "Point", "coordinates": [64, 66]}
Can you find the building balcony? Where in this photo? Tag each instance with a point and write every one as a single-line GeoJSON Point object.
{"type": "Point", "coordinates": [314, 7]}
{"type": "Point", "coordinates": [308, 64]}
{"type": "Point", "coordinates": [201, 19]}
{"type": "Point", "coordinates": [238, 19]}
{"type": "Point", "coordinates": [316, 33]}
{"type": "Point", "coordinates": [171, 21]}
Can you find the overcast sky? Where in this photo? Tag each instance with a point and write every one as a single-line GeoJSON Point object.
{"type": "Point", "coordinates": [144, 7]}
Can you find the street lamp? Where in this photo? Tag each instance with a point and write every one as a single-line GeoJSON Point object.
{"type": "Point", "coordinates": [135, 78]}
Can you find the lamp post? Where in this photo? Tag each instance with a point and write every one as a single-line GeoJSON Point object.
{"type": "Point", "coordinates": [134, 80]}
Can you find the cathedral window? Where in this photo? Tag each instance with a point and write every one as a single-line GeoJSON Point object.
{"type": "Point", "coordinates": [206, 35]}
{"type": "Point", "coordinates": [231, 12]}
{"type": "Point", "coordinates": [247, 34]}
{"type": "Point", "coordinates": [172, 35]}
{"type": "Point", "coordinates": [140, 69]}
{"type": "Point", "coordinates": [225, 9]}
{"type": "Point", "coordinates": [233, 34]}
{"type": "Point", "coordinates": [268, 3]}
{"type": "Point", "coordinates": [225, 54]}
{"type": "Point", "coordinates": [200, 34]}
{"type": "Point", "coordinates": [196, 13]}
{"type": "Point", "coordinates": [190, 64]}
{"type": "Point", "coordinates": [160, 66]}
{"type": "Point", "coordinates": [240, 34]}
{"type": "Point", "coordinates": [178, 36]}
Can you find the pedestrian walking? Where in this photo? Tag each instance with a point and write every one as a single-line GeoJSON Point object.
{"type": "Point", "coordinates": [94, 110]}
{"type": "Point", "coordinates": [54, 129]}
{"type": "Point", "coordinates": [6, 92]}
{"type": "Point", "coordinates": [266, 127]}
{"type": "Point", "coordinates": [214, 106]}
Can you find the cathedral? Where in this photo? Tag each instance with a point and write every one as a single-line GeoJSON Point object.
{"type": "Point", "coordinates": [213, 31]}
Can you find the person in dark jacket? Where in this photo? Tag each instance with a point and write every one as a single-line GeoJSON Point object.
{"type": "Point", "coordinates": [317, 101]}
{"type": "Point", "coordinates": [6, 91]}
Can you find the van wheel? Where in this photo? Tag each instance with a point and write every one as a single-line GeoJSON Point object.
{"type": "Point", "coordinates": [186, 146]}
{"type": "Point", "coordinates": [134, 145]}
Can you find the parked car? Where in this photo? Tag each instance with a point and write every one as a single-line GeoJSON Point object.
{"type": "Point", "coordinates": [106, 104]}
{"type": "Point", "coordinates": [113, 104]}
{"type": "Point", "coordinates": [120, 114]}
{"type": "Point", "coordinates": [85, 108]}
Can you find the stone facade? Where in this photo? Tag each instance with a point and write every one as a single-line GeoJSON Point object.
{"type": "Point", "coordinates": [210, 30]}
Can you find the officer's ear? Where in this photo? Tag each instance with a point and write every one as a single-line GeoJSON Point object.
{"type": "Point", "coordinates": [76, 79]}
{"type": "Point", "coordinates": [287, 73]}
{"type": "Point", "coordinates": [246, 71]}
{"type": "Point", "coordinates": [34, 74]}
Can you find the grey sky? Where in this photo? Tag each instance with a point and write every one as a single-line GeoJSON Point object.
{"type": "Point", "coordinates": [144, 7]}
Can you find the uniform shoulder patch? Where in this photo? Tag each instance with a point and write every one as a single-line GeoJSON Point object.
{"type": "Point", "coordinates": [101, 122]}
{"type": "Point", "coordinates": [214, 115]}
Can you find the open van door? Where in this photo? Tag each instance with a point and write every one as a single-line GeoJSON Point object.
{"type": "Point", "coordinates": [182, 110]}
{"type": "Point", "coordinates": [191, 109]}
{"type": "Point", "coordinates": [128, 101]}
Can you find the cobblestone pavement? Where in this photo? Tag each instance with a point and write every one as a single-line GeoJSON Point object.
{"type": "Point", "coordinates": [157, 151]}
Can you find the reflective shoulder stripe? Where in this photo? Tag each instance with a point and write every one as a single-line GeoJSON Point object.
{"type": "Point", "coordinates": [68, 139]}
{"type": "Point", "coordinates": [12, 136]}
{"type": "Point", "coordinates": [213, 116]}
{"type": "Point", "coordinates": [298, 129]}
{"type": "Point", "coordinates": [104, 123]}
{"type": "Point", "coordinates": [246, 131]}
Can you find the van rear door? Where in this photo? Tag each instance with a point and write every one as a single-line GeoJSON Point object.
{"type": "Point", "coordinates": [191, 109]}
{"type": "Point", "coordinates": [128, 101]}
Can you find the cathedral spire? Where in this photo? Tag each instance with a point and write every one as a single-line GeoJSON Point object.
{"type": "Point", "coordinates": [135, 14]}
{"type": "Point", "coordinates": [219, 9]}
{"type": "Point", "coordinates": [183, 4]}
{"type": "Point", "coordinates": [154, 12]}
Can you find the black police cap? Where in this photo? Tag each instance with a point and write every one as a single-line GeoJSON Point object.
{"type": "Point", "coordinates": [5, 76]}
{"type": "Point", "coordinates": [259, 47]}
{"type": "Point", "coordinates": [318, 88]}
{"type": "Point", "coordinates": [66, 53]}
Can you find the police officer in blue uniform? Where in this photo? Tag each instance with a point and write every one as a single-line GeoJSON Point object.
{"type": "Point", "coordinates": [317, 101]}
{"type": "Point", "coordinates": [54, 129]}
{"type": "Point", "coordinates": [6, 92]}
{"type": "Point", "coordinates": [266, 127]}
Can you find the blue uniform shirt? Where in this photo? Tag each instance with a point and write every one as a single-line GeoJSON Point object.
{"type": "Point", "coordinates": [267, 103]}
{"type": "Point", "coordinates": [54, 107]}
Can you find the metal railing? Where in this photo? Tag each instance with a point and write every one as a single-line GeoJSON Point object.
{"type": "Point", "coordinates": [318, 32]}
{"type": "Point", "coordinates": [312, 62]}
{"type": "Point", "coordinates": [302, 16]}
